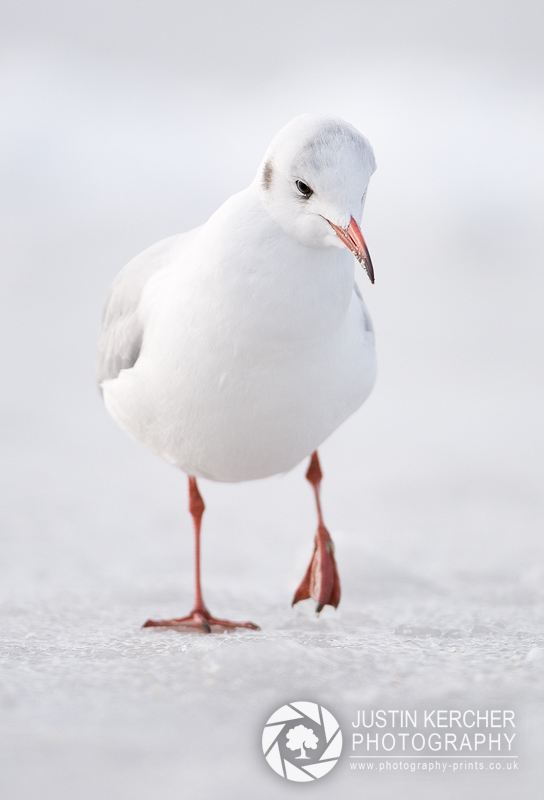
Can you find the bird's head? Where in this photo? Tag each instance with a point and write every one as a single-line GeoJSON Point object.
{"type": "Point", "coordinates": [313, 181]}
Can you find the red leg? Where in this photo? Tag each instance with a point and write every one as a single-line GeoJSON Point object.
{"type": "Point", "coordinates": [199, 617]}
{"type": "Point", "coordinates": [321, 581]}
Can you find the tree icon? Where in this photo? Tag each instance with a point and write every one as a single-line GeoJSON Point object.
{"type": "Point", "coordinates": [301, 737]}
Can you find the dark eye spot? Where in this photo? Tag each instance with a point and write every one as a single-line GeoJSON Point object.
{"type": "Point", "coordinates": [267, 175]}
{"type": "Point", "coordinates": [304, 189]}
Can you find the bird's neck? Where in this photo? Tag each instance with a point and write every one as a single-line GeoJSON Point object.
{"type": "Point", "coordinates": [272, 280]}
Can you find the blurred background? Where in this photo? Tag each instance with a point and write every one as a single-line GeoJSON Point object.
{"type": "Point", "coordinates": [126, 122]}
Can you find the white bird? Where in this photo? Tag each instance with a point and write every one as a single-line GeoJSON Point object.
{"type": "Point", "coordinates": [235, 349]}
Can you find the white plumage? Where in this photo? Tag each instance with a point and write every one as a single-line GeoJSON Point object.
{"type": "Point", "coordinates": [234, 350]}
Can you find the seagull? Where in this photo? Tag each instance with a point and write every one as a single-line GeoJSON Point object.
{"type": "Point", "coordinates": [235, 349]}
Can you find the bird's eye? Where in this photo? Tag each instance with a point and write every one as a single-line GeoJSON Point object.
{"type": "Point", "coordinates": [304, 189]}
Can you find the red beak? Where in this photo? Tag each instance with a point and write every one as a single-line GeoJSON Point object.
{"type": "Point", "coordinates": [353, 239]}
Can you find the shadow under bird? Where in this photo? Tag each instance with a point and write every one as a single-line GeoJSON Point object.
{"type": "Point", "coordinates": [235, 349]}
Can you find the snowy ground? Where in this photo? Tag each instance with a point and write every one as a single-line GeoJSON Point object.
{"type": "Point", "coordinates": [93, 706]}
{"type": "Point", "coordinates": [432, 492]}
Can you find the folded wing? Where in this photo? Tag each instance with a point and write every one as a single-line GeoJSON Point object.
{"type": "Point", "coordinates": [122, 331]}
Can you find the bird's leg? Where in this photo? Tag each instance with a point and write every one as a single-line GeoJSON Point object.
{"type": "Point", "coordinates": [321, 581]}
{"type": "Point", "coordinates": [196, 509]}
{"type": "Point", "coordinates": [199, 617]}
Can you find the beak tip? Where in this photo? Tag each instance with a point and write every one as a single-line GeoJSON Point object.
{"type": "Point", "coordinates": [354, 241]}
{"type": "Point", "coordinates": [366, 263]}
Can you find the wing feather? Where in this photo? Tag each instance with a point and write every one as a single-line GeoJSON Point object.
{"type": "Point", "coordinates": [122, 331]}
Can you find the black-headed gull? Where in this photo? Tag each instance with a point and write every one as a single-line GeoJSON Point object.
{"type": "Point", "coordinates": [234, 350]}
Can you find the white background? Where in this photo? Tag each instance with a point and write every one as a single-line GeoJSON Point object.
{"type": "Point", "coordinates": [125, 122]}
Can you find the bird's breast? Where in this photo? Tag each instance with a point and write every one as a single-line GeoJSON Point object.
{"type": "Point", "coordinates": [247, 366]}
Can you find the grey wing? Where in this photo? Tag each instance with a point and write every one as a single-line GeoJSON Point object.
{"type": "Point", "coordinates": [122, 331]}
{"type": "Point", "coordinates": [368, 322]}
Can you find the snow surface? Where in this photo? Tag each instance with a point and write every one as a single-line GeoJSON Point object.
{"type": "Point", "coordinates": [432, 492]}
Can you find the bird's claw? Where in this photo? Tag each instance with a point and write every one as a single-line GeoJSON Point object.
{"type": "Point", "coordinates": [321, 581]}
{"type": "Point", "coordinates": [199, 619]}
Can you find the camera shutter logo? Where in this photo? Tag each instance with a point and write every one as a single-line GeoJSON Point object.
{"type": "Point", "coordinates": [302, 741]}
